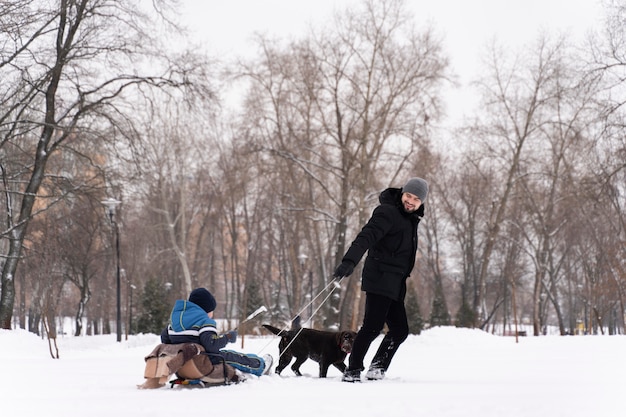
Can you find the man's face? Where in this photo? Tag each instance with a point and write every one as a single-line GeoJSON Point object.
{"type": "Point", "coordinates": [410, 202]}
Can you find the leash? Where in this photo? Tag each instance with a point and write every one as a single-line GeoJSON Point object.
{"type": "Point", "coordinates": [335, 285]}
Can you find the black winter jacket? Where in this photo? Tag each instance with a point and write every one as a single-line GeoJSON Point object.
{"type": "Point", "coordinates": [390, 237]}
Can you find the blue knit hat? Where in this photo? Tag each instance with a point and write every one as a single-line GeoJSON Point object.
{"type": "Point", "coordinates": [203, 298]}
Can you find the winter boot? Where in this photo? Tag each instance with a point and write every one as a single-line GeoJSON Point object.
{"type": "Point", "coordinates": [352, 375]}
{"type": "Point", "coordinates": [268, 364]}
{"type": "Point", "coordinates": [374, 374]}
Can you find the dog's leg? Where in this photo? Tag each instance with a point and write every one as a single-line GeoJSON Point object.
{"type": "Point", "coordinates": [285, 358]}
{"type": "Point", "coordinates": [340, 365]}
{"type": "Point", "coordinates": [324, 369]}
{"type": "Point", "coordinates": [296, 365]}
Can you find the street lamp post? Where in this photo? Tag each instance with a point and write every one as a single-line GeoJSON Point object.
{"type": "Point", "coordinates": [130, 310]}
{"type": "Point", "coordinates": [303, 258]}
{"type": "Point", "coordinates": [111, 204]}
{"type": "Point", "coordinates": [311, 297]}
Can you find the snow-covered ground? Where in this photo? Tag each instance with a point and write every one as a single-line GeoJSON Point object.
{"type": "Point", "coordinates": [443, 372]}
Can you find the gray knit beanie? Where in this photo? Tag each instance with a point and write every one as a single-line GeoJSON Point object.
{"type": "Point", "coordinates": [416, 186]}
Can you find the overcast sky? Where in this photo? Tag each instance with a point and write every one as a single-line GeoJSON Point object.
{"type": "Point", "coordinates": [466, 26]}
{"type": "Point", "coordinates": [226, 26]}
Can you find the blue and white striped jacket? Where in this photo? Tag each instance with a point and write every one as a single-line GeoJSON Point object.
{"type": "Point", "coordinates": [189, 323]}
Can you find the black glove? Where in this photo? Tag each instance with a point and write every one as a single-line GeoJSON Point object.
{"type": "Point", "coordinates": [231, 336]}
{"type": "Point", "coordinates": [344, 269]}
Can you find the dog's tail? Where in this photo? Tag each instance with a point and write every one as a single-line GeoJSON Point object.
{"type": "Point", "coordinates": [275, 330]}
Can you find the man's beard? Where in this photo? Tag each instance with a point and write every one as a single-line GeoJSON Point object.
{"type": "Point", "coordinates": [407, 210]}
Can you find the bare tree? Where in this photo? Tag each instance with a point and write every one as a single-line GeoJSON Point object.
{"type": "Point", "coordinates": [342, 108]}
{"type": "Point", "coordinates": [607, 164]}
{"type": "Point", "coordinates": [519, 99]}
{"type": "Point", "coordinates": [69, 69]}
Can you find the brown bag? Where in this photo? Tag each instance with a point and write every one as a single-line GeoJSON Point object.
{"type": "Point", "coordinates": [187, 361]}
{"type": "Point", "coordinates": [197, 368]}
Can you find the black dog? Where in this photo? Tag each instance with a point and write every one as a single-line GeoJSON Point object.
{"type": "Point", "coordinates": [324, 347]}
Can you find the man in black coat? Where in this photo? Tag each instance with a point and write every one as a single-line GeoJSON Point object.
{"type": "Point", "coordinates": [390, 238]}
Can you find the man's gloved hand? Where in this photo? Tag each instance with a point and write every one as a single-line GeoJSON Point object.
{"type": "Point", "coordinates": [232, 336]}
{"type": "Point", "coordinates": [344, 269]}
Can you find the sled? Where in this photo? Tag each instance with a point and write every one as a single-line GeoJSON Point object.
{"type": "Point", "coordinates": [204, 382]}
{"type": "Point", "coordinates": [192, 366]}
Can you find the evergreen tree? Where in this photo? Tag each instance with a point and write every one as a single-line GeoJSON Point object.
{"type": "Point", "coordinates": [465, 317]}
{"type": "Point", "coordinates": [439, 315]}
{"type": "Point", "coordinates": [253, 302]}
{"type": "Point", "coordinates": [416, 322]}
{"type": "Point", "coordinates": [254, 297]}
{"type": "Point", "coordinates": [155, 309]}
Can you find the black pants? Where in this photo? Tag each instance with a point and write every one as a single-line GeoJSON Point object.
{"type": "Point", "coordinates": [379, 310]}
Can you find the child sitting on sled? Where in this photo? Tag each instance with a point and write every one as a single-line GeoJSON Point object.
{"type": "Point", "coordinates": [191, 321]}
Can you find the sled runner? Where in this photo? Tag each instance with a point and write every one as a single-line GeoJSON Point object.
{"type": "Point", "coordinates": [190, 363]}
{"type": "Point", "coordinates": [204, 382]}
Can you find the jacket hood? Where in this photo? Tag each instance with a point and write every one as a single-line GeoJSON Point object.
{"type": "Point", "coordinates": [393, 196]}
{"type": "Point", "coordinates": [188, 316]}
